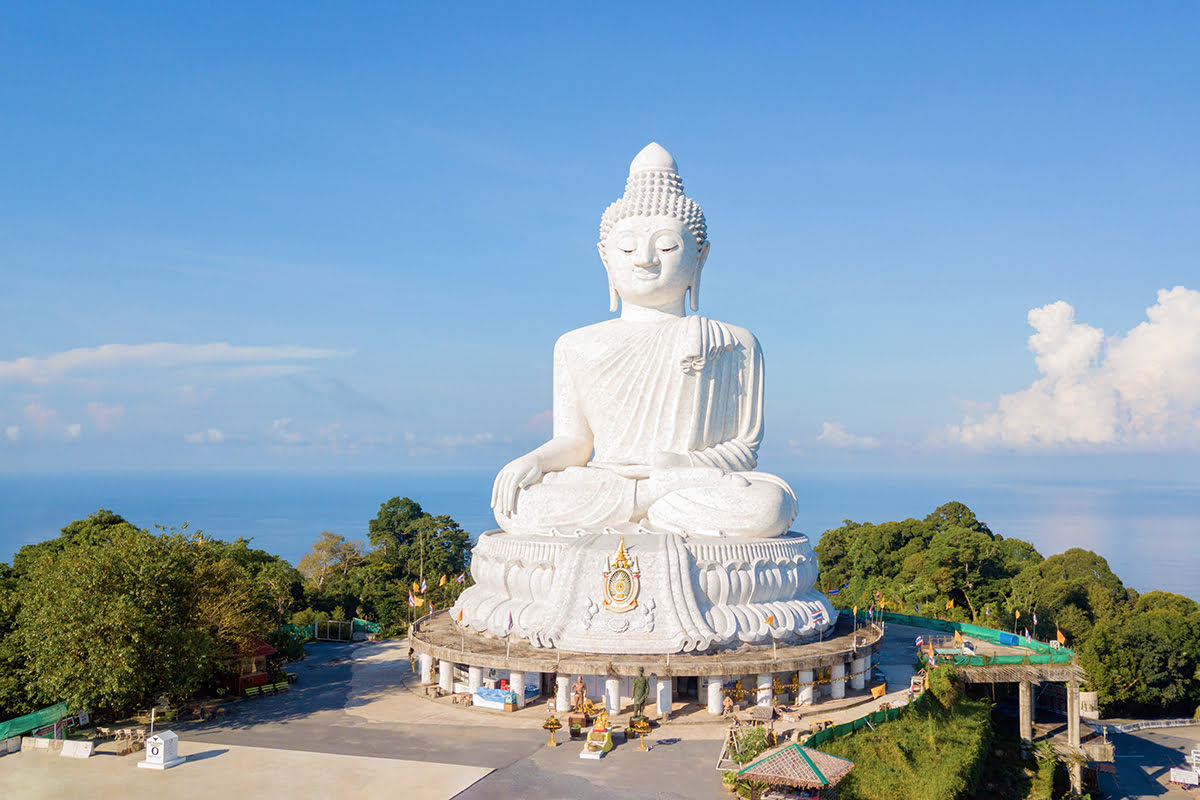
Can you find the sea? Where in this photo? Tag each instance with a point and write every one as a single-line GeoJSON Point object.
{"type": "Point", "coordinates": [1148, 531]}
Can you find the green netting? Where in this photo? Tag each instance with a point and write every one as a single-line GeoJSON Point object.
{"type": "Point", "coordinates": [38, 719]}
{"type": "Point", "coordinates": [875, 718]}
{"type": "Point", "coordinates": [1062, 655]}
{"type": "Point", "coordinates": [986, 661]}
{"type": "Point", "coordinates": [310, 631]}
{"type": "Point", "coordinates": [299, 631]}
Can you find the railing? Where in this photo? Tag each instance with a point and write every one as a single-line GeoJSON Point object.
{"type": "Point", "coordinates": [1133, 727]}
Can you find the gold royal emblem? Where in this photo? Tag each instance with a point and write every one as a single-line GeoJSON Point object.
{"type": "Point", "coordinates": [621, 582]}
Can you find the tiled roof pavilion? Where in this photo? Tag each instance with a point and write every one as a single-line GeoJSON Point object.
{"type": "Point", "coordinates": [794, 765]}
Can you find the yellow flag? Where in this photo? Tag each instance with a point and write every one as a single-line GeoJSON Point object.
{"type": "Point", "coordinates": [856, 611]}
{"type": "Point", "coordinates": [1061, 639]}
{"type": "Point", "coordinates": [442, 582]}
{"type": "Point", "coordinates": [1017, 614]}
{"type": "Point", "coordinates": [958, 637]}
{"type": "Point", "coordinates": [950, 605]}
{"type": "Point", "coordinates": [460, 615]}
{"type": "Point", "coordinates": [771, 620]}
{"type": "Point", "coordinates": [416, 586]}
{"type": "Point", "coordinates": [420, 602]}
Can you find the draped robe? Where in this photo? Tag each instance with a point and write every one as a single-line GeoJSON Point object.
{"type": "Point", "coordinates": [688, 385]}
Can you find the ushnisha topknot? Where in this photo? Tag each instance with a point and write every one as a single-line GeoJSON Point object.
{"type": "Point", "coordinates": [655, 188]}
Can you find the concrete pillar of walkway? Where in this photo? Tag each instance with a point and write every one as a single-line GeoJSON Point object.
{"type": "Point", "coordinates": [804, 695]}
{"type": "Point", "coordinates": [516, 682]}
{"type": "Point", "coordinates": [662, 697]}
{"type": "Point", "coordinates": [426, 668]}
{"type": "Point", "coordinates": [612, 696]}
{"type": "Point", "coordinates": [716, 698]}
{"type": "Point", "coordinates": [1025, 712]}
{"type": "Point", "coordinates": [1073, 713]}
{"type": "Point", "coordinates": [764, 690]}
{"type": "Point", "coordinates": [837, 681]}
{"type": "Point", "coordinates": [562, 693]}
{"type": "Point", "coordinates": [1075, 770]}
{"type": "Point", "coordinates": [446, 676]}
{"type": "Point", "coordinates": [474, 678]}
{"type": "Point", "coordinates": [858, 672]}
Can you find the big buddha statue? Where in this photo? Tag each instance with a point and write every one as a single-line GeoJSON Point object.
{"type": "Point", "coordinates": [658, 416]}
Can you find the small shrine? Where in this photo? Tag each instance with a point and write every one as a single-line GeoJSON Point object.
{"type": "Point", "coordinates": [812, 774]}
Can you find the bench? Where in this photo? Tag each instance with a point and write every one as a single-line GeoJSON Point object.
{"type": "Point", "coordinates": [253, 691]}
{"type": "Point", "coordinates": [282, 686]}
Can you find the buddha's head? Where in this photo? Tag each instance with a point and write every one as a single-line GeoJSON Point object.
{"type": "Point", "coordinates": [653, 239]}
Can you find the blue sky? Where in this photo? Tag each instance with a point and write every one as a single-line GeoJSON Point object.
{"type": "Point", "coordinates": [282, 236]}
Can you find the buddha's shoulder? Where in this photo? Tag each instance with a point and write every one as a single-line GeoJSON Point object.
{"type": "Point", "coordinates": [589, 334]}
{"type": "Point", "coordinates": [743, 335]}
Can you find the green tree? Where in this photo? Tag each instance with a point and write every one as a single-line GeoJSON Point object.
{"type": "Point", "coordinates": [331, 559]}
{"type": "Point", "coordinates": [110, 621]}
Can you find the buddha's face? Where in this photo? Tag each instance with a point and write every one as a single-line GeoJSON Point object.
{"type": "Point", "coordinates": [652, 261]}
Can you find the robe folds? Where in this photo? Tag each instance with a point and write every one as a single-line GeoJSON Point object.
{"type": "Point", "coordinates": [691, 385]}
{"type": "Point", "coordinates": [688, 386]}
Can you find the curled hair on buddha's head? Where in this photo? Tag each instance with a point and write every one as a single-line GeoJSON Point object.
{"type": "Point", "coordinates": [654, 188]}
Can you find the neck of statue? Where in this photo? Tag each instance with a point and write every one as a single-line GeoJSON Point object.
{"type": "Point", "coordinates": [632, 313]}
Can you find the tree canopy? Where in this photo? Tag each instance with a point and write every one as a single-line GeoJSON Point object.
{"type": "Point", "coordinates": [1141, 653]}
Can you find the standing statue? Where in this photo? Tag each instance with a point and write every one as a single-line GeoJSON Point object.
{"type": "Point", "coordinates": [657, 415]}
{"type": "Point", "coordinates": [641, 692]}
{"type": "Point", "coordinates": [578, 695]}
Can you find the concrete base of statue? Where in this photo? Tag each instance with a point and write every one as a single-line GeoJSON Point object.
{"type": "Point", "coordinates": [679, 594]}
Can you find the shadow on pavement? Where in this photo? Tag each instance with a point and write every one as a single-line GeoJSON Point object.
{"type": "Point", "coordinates": [206, 755]}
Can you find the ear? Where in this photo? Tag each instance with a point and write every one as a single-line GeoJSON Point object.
{"type": "Point", "coordinates": [612, 290]}
{"type": "Point", "coordinates": [695, 287]}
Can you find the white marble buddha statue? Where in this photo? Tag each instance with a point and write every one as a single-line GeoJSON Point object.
{"type": "Point", "coordinates": [658, 414]}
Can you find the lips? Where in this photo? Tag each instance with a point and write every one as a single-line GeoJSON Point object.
{"type": "Point", "coordinates": [647, 273]}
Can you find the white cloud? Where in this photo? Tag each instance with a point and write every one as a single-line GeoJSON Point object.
{"type": "Point", "coordinates": [464, 440]}
{"type": "Point", "coordinates": [105, 417]}
{"type": "Point", "coordinates": [156, 355]}
{"type": "Point", "coordinates": [280, 432]}
{"type": "Point", "coordinates": [540, 423]}
{"type": "Point", "coordinates": [835, 434]}
{"type": "Point", "coordinates": [43, 420]}
{"type": "Point", "coordinates": [210, 436]}
{"type": "Point", "coordinates": [74, 432]}
{"type": "Point", "coordinates": [1134, 390]}
{"type": "Point", "coordinates": [12, 433]}
{"type": "Point", "coordinates": [191, 396]}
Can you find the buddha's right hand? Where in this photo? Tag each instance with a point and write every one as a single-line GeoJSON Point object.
{"type": "Point", "coordinates": [518, 474]}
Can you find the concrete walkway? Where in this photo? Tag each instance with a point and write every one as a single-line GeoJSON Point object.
{"type": "Point", "coordinates": [230, 771]}
{"type": "Point", "coordinates": [357, 724]}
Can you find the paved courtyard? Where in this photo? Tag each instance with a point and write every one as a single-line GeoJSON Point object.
{"type": "Point", "coordinates": [357, 724]}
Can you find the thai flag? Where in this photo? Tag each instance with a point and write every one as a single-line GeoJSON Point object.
{"type": "Point", "coordinates": [916, 608]}
{"type": "Point", "coordinates": [424, 586]}
{"type": "Point", "coordinates": [818, 616]}
{"type": "Point", "coordinates": [509, 628]}
{"type": "Point", "coordinates": [920, 641]}
{"type": "Point", "coordinates": [1035, 619]}
{"type": "Point", "coordinates": [461, 578]}
{"type": "Point", "coordinates": [834, 591]}
{"type": "Point", "coordinates": [412, 601]}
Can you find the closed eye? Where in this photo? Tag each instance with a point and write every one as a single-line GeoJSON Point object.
{"type": "Point", "coordinates": [668, 248]}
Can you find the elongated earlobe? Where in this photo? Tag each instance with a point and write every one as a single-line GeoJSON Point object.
{"type": "Point", "coordinates": [613, 301]}
{"type": "Point", "coordinates": [694, 288]}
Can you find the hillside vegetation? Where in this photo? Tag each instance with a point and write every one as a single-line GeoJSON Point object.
{"type": "Point", "coordinates": [1141, 652]}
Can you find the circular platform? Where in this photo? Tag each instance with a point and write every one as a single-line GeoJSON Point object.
{"type": "Point", "coordinates": [439, 636]}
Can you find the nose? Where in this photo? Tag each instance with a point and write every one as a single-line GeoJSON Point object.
{"type": "Point", "coordinates": [646, 256]}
